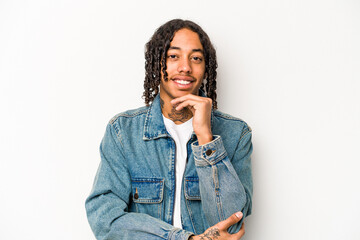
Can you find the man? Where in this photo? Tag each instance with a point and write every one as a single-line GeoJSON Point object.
{"type": "Point", "coordinates": [177, 168]}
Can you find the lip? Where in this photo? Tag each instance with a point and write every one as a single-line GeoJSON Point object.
{"type": "Point", "coordinates": [185, 78]}
{"type": "Point", "coordinates": [182, 86]}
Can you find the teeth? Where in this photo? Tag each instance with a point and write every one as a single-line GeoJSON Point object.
{"type": "Point", "coordinates": [182, 81]}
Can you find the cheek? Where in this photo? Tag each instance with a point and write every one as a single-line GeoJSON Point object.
{"type": "Point", "coordinates": [170, 67]}
{"type": "Point", "coordinates": [200, 72]}
{"type": "Point", "coordinates": [169, 70]}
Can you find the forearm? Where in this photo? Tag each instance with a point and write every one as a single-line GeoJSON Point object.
{"type": "Point", "coordinates": [108, 220]}
{"type": "Point", "coordinates": [108, 206]}
{"type": "Point", "coordinates": [222, 191]}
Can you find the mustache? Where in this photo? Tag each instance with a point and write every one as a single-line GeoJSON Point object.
{"type": "Point", "coordinates": [183, 76]}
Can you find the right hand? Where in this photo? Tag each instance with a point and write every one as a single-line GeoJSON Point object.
{"type": "Point", "coordinates": [219, 230]}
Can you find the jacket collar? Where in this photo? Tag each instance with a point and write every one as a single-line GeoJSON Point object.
{"type": "Point", "coordinates": [154, 126]}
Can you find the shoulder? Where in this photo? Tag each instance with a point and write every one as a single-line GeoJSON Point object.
{"type": "Point", "coordinates": [129, 114]}
{"type": "Point", "coordinates": [230, 123]}
{"type": "Point", "coordinates": [221, 116]}
{"type": "Point", "coordinates": [129, 122]}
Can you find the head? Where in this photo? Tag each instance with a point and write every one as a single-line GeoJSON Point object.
{"type": "Point", "coordinates": [160, 53]}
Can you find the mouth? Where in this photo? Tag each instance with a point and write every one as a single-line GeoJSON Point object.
{"type": "Point", "coordinates": [183, 80]}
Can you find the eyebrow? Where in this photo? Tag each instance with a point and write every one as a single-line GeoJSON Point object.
{"type": "Point", "coordinates": [194, 50]}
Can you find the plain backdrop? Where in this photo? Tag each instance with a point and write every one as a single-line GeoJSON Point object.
{"type": "Point", "coordinates": [290, 69]}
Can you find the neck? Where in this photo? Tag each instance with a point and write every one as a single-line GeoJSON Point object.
{"type": "Point", "coordinates": [169, 111]}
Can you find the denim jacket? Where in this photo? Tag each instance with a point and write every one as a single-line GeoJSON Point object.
{"type": "Point", "coordinates": [134, 189]}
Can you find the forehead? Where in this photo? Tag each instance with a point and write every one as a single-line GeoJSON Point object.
{"type": "Point", "coordinates": [186, 39]}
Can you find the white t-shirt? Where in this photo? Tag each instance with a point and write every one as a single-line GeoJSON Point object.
{"type": "Point", "coordinates": [181, 134]}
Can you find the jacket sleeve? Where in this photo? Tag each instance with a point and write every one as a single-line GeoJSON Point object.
{"type": "Point", "coordinates": [225, 184]}
{"type": "Point", "coordinates": [108, 202]}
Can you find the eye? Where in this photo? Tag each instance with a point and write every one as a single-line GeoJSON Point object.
{"type": "Point", "coordinates": [197, 59]}
{"type": "Point", "coordinates": [172, 56]}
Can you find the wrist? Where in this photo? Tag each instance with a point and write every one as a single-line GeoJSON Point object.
{"type": "Point", "coordinates": [204, 139]}
{"type": "Point", "coordinates": [193, 237]}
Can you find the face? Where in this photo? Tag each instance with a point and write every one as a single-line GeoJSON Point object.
{"type": "Point", "coordinates": [185, 66]}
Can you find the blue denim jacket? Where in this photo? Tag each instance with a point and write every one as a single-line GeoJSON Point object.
{"type": "Point", "coordinates": [134, 189]}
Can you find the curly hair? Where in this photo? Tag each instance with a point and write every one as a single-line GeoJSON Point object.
{"type": "Point", "coordinates": [155, 59]}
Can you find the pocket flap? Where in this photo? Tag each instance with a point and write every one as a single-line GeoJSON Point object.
{"type": "Point", "coordinates": [147, 190]}
{"type": "Point", "coordinates": [192, 190]}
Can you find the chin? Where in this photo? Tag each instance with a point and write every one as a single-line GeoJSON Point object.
{"type": "Point", "coordinates": [183, 93]}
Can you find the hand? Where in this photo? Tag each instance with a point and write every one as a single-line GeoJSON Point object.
{"type": "Point", "coordinates": [201, 110]}
{"type": "Point", "coordinates": [219, 230]}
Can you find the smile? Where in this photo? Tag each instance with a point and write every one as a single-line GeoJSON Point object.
{"type": "Point", "coordinates": [183, 82]}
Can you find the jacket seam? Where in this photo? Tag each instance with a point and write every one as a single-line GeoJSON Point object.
{"type": "Point", "coordinates": [244, 134]}
{"type": "Point", "coordinates": [190, 213]}
{"type": "Point", "coordinates": [227, 116]}
{"type": "Point", "coordinates": [118, 134]}
{"type": "Point", "coordinates": [121, 150]}
{"type": "Point", "coordinates": [127, 115]}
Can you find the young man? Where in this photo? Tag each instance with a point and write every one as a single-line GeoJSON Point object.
{"type": "Point", "coordinates": [177, 168]}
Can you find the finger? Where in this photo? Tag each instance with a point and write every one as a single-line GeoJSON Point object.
{"type": "Point", "coordinates": [240, 233]}
{"type": "Point", "coordinates": [236, 217]}
{"type": "Point", "coordinates": [186, 97]}
{"type": "Point", "coordinates": [187, 103]}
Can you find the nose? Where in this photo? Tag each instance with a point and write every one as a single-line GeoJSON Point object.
{"type": "Point", "coordinates": [184, 66]}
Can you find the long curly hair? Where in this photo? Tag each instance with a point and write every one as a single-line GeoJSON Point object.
{"type": "Point", "coordinates": [155, 59]}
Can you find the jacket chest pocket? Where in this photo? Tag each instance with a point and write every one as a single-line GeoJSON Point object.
{"type": "Point", "coordinates": [147, 195]}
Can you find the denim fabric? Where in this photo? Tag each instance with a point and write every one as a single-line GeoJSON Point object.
{"type": "Point", "coordinates": [134, 188]}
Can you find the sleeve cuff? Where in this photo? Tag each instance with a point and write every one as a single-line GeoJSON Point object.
{"type": "Point", "coordinates": [178, 233]}
{"type": "Point", "coordinates": [209, 153]}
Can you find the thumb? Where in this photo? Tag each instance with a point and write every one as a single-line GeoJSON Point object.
{"type": "Point", "coordinates": [236, 217]}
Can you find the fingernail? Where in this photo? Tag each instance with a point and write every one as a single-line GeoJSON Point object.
{"type": "Point", "coordinates": [239, 215]}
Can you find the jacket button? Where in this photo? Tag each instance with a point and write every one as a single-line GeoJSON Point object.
{"type": "Point", "coordinates": [136, 195]}
{"type": "Point", "coordinates": [208, 152]}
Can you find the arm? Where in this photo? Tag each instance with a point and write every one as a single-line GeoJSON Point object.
{"type": "Point", "coordinates": [108, 202]}
{"type": "Point", "coordinates": [225, 185]}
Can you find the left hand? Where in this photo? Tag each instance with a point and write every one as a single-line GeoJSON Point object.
{"type": "Point", "coordinates": [219, 230]}
{"type": "Point", "coordinates": [201, 110]}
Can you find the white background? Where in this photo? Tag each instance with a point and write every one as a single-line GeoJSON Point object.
{"type": "Point", "coordinates": [291, 69]}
